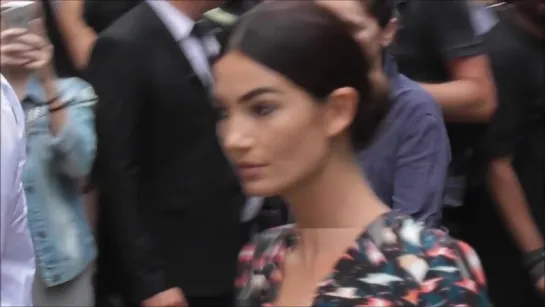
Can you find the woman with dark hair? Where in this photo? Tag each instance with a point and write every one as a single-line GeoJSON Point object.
{"type": "Point", "coordinates": [73, 27]}
{"type": "Point", "coordinates": [295, 100]}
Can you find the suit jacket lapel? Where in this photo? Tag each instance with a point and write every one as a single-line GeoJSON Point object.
{"type": "Point", "coordinates": [160, 36]}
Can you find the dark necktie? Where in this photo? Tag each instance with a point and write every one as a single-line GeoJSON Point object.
{"type": "Point", "coordinates": [199, 32]}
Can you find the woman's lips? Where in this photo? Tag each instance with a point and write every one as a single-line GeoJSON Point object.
{"type": "Point", "coordinates": [250, 171]}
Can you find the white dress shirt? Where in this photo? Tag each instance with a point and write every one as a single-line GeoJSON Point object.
{"type": "Point", "coordinates": [197, 53]}
{"type": "Point", "coordinates": [482, 17]}
{"type": "Point", "coordinates": [17, 264]}
{"type": "Point", "coordinates": [180, 27]}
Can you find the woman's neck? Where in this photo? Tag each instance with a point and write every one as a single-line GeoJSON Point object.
{"type": "Point", "coordinates": [18, 81]}
{"type": "Point", "coordinates": [337, 199]}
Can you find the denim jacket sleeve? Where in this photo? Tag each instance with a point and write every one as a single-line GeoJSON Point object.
{"type": "Point", "coordinates": [75, 144]}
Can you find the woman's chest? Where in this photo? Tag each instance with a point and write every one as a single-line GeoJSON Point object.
{"type": "Point", "coordinates": [366, 277]}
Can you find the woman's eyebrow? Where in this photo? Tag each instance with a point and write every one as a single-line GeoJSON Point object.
{"type": "Point", "coordinates": [257, 92]}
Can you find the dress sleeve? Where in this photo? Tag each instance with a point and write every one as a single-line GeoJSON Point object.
{"type": "Point", "coordinates": [455, 276]}
{"type": "Point", "coordinates": [246, 284]}
{"type": "Point", "coordinates": [256, 265]}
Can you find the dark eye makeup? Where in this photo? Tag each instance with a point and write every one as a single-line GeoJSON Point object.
{"type": "Point", "coordinates": [263, 108]}
{"type": "Point", "coordinates": [256, 103]}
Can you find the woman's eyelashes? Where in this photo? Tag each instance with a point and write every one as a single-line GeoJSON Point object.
{"type": "Point", "coordinates": [262, 109]}
{"type": "Point", "coordinates": [256, 109]}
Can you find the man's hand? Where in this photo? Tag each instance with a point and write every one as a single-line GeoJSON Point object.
{"type": "Point", "coordinates": [170, 298]}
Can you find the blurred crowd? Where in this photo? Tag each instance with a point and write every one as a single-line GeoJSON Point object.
{"type": "Point", "coordinates": [163, 153]}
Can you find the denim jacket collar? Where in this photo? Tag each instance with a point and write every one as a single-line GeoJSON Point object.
{"type": "Point", "coordinates": [34, 91]}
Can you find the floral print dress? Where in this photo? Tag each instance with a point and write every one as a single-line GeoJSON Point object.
{"type": "Point", "coordinates": [396, 262]}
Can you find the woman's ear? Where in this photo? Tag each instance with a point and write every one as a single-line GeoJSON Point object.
{"type": "Point", "coordinates": [341, 107]}
{"type": "Point", "coordinates": [389, 33]}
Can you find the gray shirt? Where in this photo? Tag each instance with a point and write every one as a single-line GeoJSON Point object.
{"type": "Point", "coordinates": [407, 164]}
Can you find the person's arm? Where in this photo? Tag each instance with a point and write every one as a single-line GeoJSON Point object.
{"type": "Point", "coordinates": [420, 170]}
{"type": "Point", "coordinates": [471, 95]}
{"type": "Point", "coordinates": [78, 36]}
{"type": "Point", "coordinates": [17, 261]}
{"type": "Point", "coordinates": [500, 143]}
{"type": "Point", "coordinates": [117, 74]}
{"type": "Point", "coordinates": [72, 126]}
{"type": "Point", "coordinates": [512, 204]}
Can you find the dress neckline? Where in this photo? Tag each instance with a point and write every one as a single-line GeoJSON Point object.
{"type": "Point", "coordinates": [287, 240]}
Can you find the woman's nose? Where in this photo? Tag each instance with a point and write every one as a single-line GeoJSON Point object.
{"type": "Point", "coordinates": [236, 137]}
{"type": "Point", "coordinates": [237, 141]}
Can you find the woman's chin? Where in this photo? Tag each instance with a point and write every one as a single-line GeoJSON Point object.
{"type": "Point", "coordinates": [260, 189]}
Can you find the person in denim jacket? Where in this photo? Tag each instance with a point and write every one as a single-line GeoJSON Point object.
{"type": "Point", "coordinates": [61, 145]}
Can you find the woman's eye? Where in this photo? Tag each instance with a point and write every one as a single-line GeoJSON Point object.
{"type": "Point", "coordinates": [263, 109]}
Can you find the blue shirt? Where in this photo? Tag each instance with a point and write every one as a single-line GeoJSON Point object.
{"type": "Point", "coordinates": [407, 164]}
{"type": "Point", "coordinates": [52, 179]}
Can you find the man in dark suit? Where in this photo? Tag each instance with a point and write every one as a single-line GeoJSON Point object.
{"type": "Point", "coordinates": [170, 201]}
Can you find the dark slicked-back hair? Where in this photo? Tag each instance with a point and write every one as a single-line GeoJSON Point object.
{"type": "Point", "coordinates": [312, 48]}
